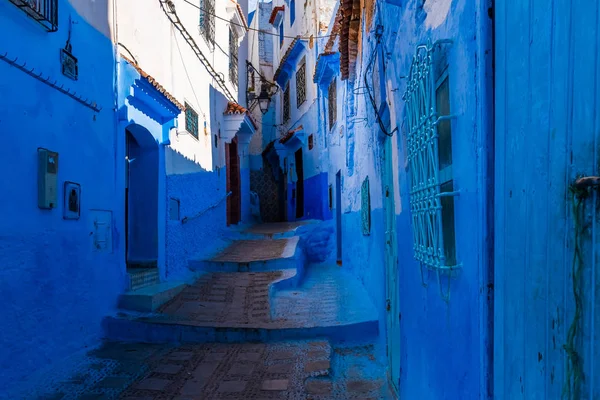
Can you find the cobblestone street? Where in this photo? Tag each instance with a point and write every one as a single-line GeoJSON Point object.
{"type": "Point", "coordinates": [285, 370]}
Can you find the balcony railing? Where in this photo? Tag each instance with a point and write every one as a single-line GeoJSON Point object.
{"type": "Point", "coordinates": [45, 12]}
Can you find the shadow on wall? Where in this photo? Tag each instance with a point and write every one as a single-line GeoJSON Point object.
{"type": "Point", "coordinates": [318, 241]}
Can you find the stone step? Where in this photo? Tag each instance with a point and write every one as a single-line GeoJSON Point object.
{"type": "Point", "coordinates": [236, 307]}
{"type": "Point", "coordinates": [139, 278]}
{"type": "Point", "coordinates": [163, 331]}
{"type": "Point", "coordinates": [254, 256]}
{"type": "Point", "coordinates": [150, 298]}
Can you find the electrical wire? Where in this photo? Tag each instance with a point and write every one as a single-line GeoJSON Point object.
{"type": "Point", "coordinates": [253, 29]}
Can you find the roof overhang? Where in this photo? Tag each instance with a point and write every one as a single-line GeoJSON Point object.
{"type": "Point", "coordinates": [237, 122]}
{"type": "Point", "coordinates": [328, 66]}
{"type": "Point", "coordinates": [277, 15]}
{"type": "Point", "coordinates": [289, 61]}
{"type": "Point", "coordinates": [290, 143]}
{"type": "Point", "coordinates": [236, 16]}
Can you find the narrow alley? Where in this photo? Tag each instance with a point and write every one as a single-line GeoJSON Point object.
{"type": "Point", "coordinates": [300, 199]}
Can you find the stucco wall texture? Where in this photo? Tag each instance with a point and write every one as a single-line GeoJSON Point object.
{"type": "Point", "coordinates": [55, 285]}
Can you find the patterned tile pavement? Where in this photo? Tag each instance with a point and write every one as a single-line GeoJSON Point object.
{"type": "Point", "coordinates": [284, 370]}
{"type": "Point", "coordinates": [327, 297]}
{"type": "Point", "coordinates": [246, 251]}
{"type": "Point", "coordinates": [274, 228]}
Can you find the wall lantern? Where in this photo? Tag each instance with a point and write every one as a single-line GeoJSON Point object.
{"type": "Point", "coordinates": [267, 90]}
{"type": "Point", "coordinates": [264, 100]}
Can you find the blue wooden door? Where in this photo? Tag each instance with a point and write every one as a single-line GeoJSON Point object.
{"type": "Point", "coordinates": [391, 268]}
{"type": "Point", "coordinates": [547, 281]}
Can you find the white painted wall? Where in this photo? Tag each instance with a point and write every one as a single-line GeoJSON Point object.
{"type": "Point", "coordinates": [146, 32]}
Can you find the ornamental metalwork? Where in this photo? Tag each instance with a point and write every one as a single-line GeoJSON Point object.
{"type": "Point", "coordinates": [207, 20]}
{"type": "Point", "coordinates": [301, 84]}
{"type": "Point", "coordinates": [191, 121]}
{"type": "Point", "coordinates": [366, 207]}
{"type": "Point", "coordinates": [286, 104]}
{"type": "Point", "coordinates": [423, 160]}
{"type": "Point", "coordinates": [332, 101]}
{"type": "Point", "coordinates": [233, 57]}
{"type": "Point", "coordinates": [45, 12]}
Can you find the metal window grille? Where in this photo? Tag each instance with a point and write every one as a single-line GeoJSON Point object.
{"type": "Point", "coordinates": [233, 57]}
{"type": "Point", "coordinates": [332, 100]}
{"type": "Point", "coordinates": [207, 20]}
{"type": "Point", "coordinates": [301, 85]}
{"type": "Point", "coordinates": [286, 104]}
{"type": "Point", "coordinates": [45, 12]}
{"type": "Point", "coordinates": [191, 120]}
{"type": "Point", "coordinates": [426, 193]}
{"type": "Point", "coordinates": [366, 207]}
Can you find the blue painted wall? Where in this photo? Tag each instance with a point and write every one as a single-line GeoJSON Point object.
{"type": "Point", "coordinates": [445, 346]}
{"type": "Point", "coordinates": [198, 191]}
{"type": "Point", "coordinates": [55, 286]}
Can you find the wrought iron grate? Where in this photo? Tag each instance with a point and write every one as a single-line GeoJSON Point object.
{"type": "Point", "coordinates": [45, 12]}
{"type": "Point", "coordinates": [301, 84]}
{"type": "Point", "coordinates": [332, 101]}
{"type": "Point", "coordinates": [286, 104]}
{"type": "Point", "coordinates": [207, 20]}
{"type": "Point", "coordinates": [423, 143]}
{"type": "Point", "coordinates": [191, 121]}
{"type": "Point", "coordinates": [233, 57]}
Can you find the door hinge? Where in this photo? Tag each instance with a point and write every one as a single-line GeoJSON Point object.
{"type": "Point", "coordinates": [388, 305]}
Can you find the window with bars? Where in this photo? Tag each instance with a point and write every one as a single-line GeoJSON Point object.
{"type": "Point", "coordinates": [191, 121]}
{"type": "Point", "coordinates": [286, 104]}
{"type": "Point", "coordinates": [332, 102]}
{"type": "Point", "coordinates": [366, 207]}
{"type": "Point", "coordinates": [207, 20]}
{"type": "Point", "coordinates": [301, 84]}
{"type": "Point", "coordinates": [233, 57]}
{"type": "Point", "coordinates": [429, 144]}
{"type": "Point", "coordinates": [45, 12]}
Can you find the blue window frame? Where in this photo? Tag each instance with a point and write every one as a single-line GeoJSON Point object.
{"type": "Point", "coordinates": [292, 12]}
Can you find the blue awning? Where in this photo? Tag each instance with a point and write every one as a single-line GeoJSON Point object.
{"type": "Point", "coordinates": [289, 61]}
{"type": "Point", "coordinates": [328, 66]}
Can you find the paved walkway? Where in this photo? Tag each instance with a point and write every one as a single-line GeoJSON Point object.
{"type": "Point", "coordinates": [286, 370]}
{"type": "Point", "coordinates": [275, 228]}
{"type": "Point", "coordinates": [246, 251]}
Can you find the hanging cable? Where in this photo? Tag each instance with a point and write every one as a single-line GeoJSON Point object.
{"type": "Point", "coordinates": [370, 94]}
{"type": "Point", "coordinates": [252, 29]}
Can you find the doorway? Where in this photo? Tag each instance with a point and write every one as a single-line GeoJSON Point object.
{"type": "Point", "coordinates": [391, 268]}
{"type": "Point", "coordinates": [141, 198]}
{"type": "Point", "coordinates": [299, 184]}
{"type": "Point", "coordinates": [234, 200]}
{"type": "Point", "coordinates": [338, 215]}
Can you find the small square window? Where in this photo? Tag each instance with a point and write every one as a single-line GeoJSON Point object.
{"type": "Point", "coordinates": [191, 121]}
{"type": "Point", "coordinates": [174, 209]}
{"type": "Point", "coordinates": [311, 141]}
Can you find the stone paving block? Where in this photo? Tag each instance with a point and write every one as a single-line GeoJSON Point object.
{"type": "Point", "coordinates": [170, 369]}
{"type": "Point", "coordinates": [282, 355]}
{"type": "Point", "coordinates": [181, 356]}
{"type": "Point", "coordinates": [214, 356]}
{"type": "Point", "coordinates": [317, 366]}
{"type": "Point", "coordinates": [156, 384]}
{"type": "Point", "coordinates": [192, 388]}
{"type": "Point", "coordinates": [241, 369]}
{"type": "Point", "coordinates": [319, 387]}
{"type": "Point", "coordinates": [275, 384]}
{"type": "Point", "coordinates": [249, 357]}
{"type": "Point", "coordinates": [232, 386]}
{"type": "Point", "coordinates": [286, 368]}
{"type": "Point", "coordinates": [204, 370]}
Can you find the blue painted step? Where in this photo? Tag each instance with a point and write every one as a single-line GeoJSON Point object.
{"type": "Point", "coordinates": [150, 298]}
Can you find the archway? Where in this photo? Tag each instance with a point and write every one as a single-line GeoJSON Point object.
{"type": "Point", "coordinates": [141, 198]}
